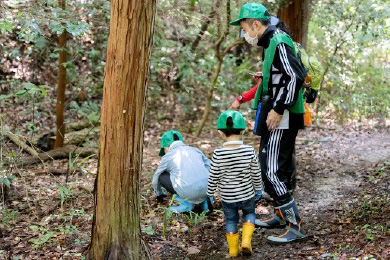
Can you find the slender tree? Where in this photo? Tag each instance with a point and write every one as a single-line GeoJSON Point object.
{"type": "Point", "coordinates": [296, 14]}
{"type": "Point", "coordinates": [116, 230]}
{"type": "Point", "coordinates": [60, 133]}
{"type": "Point", "coordinates": [220, 55]}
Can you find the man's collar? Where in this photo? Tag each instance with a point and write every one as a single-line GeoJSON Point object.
{"type": "Point", "coordinates": [266, 37]}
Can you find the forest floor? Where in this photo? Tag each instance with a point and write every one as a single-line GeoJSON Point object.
{"type": "Point", "coordinates": [343, 195]}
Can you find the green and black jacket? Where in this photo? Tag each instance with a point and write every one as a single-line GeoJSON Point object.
{"type": "Point", "coordinates": [283, 74]}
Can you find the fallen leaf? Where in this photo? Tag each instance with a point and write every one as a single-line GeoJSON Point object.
{"type": "Point", "coordinates": [193, 250]}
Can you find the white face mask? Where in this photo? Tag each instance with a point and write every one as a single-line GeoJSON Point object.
{"type": "Point", "coordinates": [252, 41]}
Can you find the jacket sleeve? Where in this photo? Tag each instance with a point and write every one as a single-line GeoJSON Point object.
{"type": "Point", "coordinates": [292, 79]}
{"type": "Point", "coordinates": [206, 160]}
{"type": "Point", "coordinates": [249, 95]}
{"type": "Point", "coordinates": [256, 173]}
{"type": "Point", "coordinates": [214, 176]}
{"type": "Point", "coordinates": [163, 166]}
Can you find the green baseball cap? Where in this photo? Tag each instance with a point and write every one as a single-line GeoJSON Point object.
{"type": "Point", "coordinates": [167, 139]}
{"type": "Point", "coordinates": [237, 118]}
{"type": "Point", "coordinates": [251, 11]}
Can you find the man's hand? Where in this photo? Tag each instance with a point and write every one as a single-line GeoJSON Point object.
{"type": "Point", "coordinates": [160, 198]}
{"type": "Point", "coordinates": [273, 120]}
{"type": "Point", "coordinates": [236, 105]}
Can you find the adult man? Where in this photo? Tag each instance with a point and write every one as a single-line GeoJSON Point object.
{"type": "Point", "coordinates": [281, 115]}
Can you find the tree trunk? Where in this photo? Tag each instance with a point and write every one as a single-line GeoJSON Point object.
{"type": "Point", "coordinates": [209, 98]}
{"type": "Point", "coordinates": [296, 15]}
{"type": "Point", "coordinates": [210, 92]}
{"type": "Point", "coordinates": [116, 232]}
{"type": "Point", "coordinates": [60, 133]}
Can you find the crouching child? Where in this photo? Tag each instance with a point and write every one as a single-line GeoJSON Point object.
{"type": "Point", "coordinates": [183, 171]}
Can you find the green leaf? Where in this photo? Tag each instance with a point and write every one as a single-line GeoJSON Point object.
{"type": "Point", "coordinates": [21, 93]}
{"type": "Point", "coordinates": [56, 27]}
{"type": "Point", "coordinates": [34, 228]}
{"type": "Point", "coordinates": [5, 26]}
{"type": "Point", "coordinates": [43, 90]}
{"type": "Point", "coordinates": [10, 177]}
{"type": "Point", "coordinates": [11, 154]}
{"type": "Point", "coordinates": [148, 230]}
{"type": "Point", "coordinates": [7, 182]}
{"type": "Point", "coordinates": [3, 97]}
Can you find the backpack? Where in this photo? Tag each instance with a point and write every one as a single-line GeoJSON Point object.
{"type": "Point", "coordinates": [314, 73]}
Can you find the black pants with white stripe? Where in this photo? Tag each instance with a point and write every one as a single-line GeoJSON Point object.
{"type": "Point", "coordinates": [276, 151]}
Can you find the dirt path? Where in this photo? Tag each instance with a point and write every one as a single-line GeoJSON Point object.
{"type": "Point", "coordinates": [343, 196]}
{"type": "Point", "coordinates": [333, 168]}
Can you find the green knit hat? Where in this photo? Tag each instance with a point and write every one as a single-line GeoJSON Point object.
{"type": "Point", "coordinates": [238, 120]}
{"type": "Point", "coordinates": [167, 139]}
{"type": "Point", "coordinates": [251, 11]}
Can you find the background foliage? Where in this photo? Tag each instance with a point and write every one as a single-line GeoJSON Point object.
{"type": "Point", "coordinates": [349, 37]}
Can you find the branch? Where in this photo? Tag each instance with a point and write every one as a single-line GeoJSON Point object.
{"type": "Point", "coordinates": [232, 45]}
{"type": "Point", "coordinates": [337, 47]}
{"type": "Point", "coordinates": [223, 36]}
{"type": "Point", "coordinates": [205, 25]}
{"type": "Point", "coordinates": [59, 153]}
{"type": "Point", "coordinates": [22, 144]}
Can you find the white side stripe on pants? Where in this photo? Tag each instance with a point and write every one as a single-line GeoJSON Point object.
{"type": "Point", "coordinates": [272, 161]}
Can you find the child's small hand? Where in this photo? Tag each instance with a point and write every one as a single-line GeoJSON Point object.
{"type": "Point", "coordinates": [259, 193]}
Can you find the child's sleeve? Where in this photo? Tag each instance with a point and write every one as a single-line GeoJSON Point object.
{"type": "Point", "coordinates": [214, 176]}
{"type": "Point", "coordinates": [256, 173]}
{"type": "Point", "coordinates": [161, 168]}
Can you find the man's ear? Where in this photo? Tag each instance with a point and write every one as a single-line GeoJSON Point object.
{"type": "Point", "coordinates": [257, 24]}
{"type": "Point", "coordinates": [222, 134]}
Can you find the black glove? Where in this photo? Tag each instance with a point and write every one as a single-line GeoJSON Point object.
{"type": "Point", "coordinates": [160, 198]}
{"type": "Point", "coordinates": [310, 95]}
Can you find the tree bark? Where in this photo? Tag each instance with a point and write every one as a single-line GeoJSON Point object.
{"type": "Point", "coordinates": [60, 133]}
{"type": "Point", "coordinates": [296, 14]}
{"type": "Point", "coordinates": [116, 232]}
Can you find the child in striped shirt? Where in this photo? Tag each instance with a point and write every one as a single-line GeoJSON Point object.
{"type": "Point", "coordinates": [236, 172]}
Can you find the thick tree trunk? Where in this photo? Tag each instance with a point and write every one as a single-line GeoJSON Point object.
{"type": "Point", "coordinates": [296, 15]}
{"type": "Point", "coordinates": [116, 230]}
{"type": "Point", "coordinates": [61, 87]}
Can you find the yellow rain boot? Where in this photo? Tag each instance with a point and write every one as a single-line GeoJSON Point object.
{"type": "Point", "coordinates": [234, 245]}
{"type": "Point", "coordinates": [247, 232]}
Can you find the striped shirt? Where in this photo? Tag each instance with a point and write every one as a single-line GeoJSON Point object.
{"type": "Point", "coordinates": [236, 173]}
